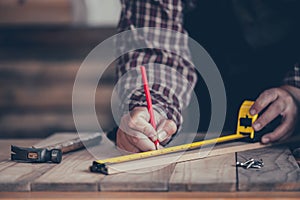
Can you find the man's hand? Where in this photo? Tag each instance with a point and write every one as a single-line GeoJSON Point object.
{"type": "Point", "coordinates": [282, 101]}
{"type": "Point", "coordinates": [136, 134]}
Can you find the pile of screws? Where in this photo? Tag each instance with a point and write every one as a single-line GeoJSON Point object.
{"type": "Point", "coordinates": [251, 163]}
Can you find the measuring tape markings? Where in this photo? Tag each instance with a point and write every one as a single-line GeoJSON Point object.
{"type": "Point", "coordinates": [243, 130]}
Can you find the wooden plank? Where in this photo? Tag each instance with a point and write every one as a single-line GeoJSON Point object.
{"type": "Point", "coordinates": [50, 42]}
{"type": "Point", "coordinates": [280, 172]}
{"type": "Point", "coordinates": [33, 11]}
{"type": "Point", "coordinates": [47, 72]}
{"type": "Point", "coordinates": [71, 175]}
{"type": "Point", "coordinates": [156, 180]}
{"type": "Point", "coordinates": [5, 164]}
{"type": "Point", "coordinates": [204, 152]}
{"type": "Point", "coordinates": [150, 179]}
{"type": "Point", "coordinates": [43, 124]}
{"type": "Point", "coordinates": [18, 176]}
{"type": "Point", "coordinates": [209, 174]}
{"type": "Point", "coordinates": [35, 97]}
{"type": "Point", "coordinates": [5, 150]}
{"type": "Point", "coordinates": [219, 149]}
{"type": "Point", "coordinates": [150, 195]}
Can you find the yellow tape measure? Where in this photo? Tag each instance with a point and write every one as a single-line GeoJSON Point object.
{"type": "Point", "coordinates": [244, 129]}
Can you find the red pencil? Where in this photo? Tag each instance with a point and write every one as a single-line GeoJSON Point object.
{"type": "Point", "coordinates": [149, 102]}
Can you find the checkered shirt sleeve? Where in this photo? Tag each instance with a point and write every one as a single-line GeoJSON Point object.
{"type": "Point", "coordinates": [293, 77]}
{"type": "Point", "coordinates": [171, 76]}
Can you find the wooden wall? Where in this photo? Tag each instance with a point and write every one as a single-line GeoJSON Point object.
{"type": "Point", "coordinates": [38, 65]}
{"type": "Point", "coordinates": [36, 11]}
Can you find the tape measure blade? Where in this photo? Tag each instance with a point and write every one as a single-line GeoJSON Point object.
{"type": "Point", "coordinates": [152, 162]}
{"type": "Point", "coordinates": [169, 150]}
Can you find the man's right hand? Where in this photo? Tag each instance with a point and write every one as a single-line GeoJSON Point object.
{"type": "Point", "coordinates": [136, 134]}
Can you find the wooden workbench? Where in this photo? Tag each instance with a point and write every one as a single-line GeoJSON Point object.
{"type": "Point", "coordinates": [211, 177]}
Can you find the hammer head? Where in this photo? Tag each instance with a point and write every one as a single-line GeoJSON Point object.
{"type": "Point", "coordinates": [33, 155]}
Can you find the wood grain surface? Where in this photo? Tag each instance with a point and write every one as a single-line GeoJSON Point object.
{"type": "Point", "coordinates": [72, 175]}
{"type": "Point", "coordinates": [54, 12]}
{"type": "Point", "coordinates": [150, 179]}
{"type": "Point", "coordinates": [17, 176]}
{"type": "Point", "coordinates": [151, 195]}
{"type": "Point", "coordinates": [280, 172]}
{"type": "Point", "coordinates": [166, 159]}
{"type": "Point", "coordinates": [209, 174]}
{"type": "Point", "coordinates": [38, 101]}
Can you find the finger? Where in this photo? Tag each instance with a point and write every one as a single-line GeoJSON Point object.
{"type": "Point", "coordinates": [263, 101]}
{"type": "Point", "coordinates": [284, 128]}
{"type": "Point", "coordinates": [134, 144]}
{"type": "Point", "coordinates": [138, 123]}
{"type": "Point", "coordinates": [166, 130]}
{"type": "Point", "coordinates": [128, 147]}
{"type": "Point", "coordinates": [146, 144]}
{"type": "Point", "coordinates": [134, 126]}
{"type": "Point", "coordinates": [142, 142]}
{"type": "Point", "coordinates": [124, 144]}
{"type": "Point", "coordinates": [275, 109]}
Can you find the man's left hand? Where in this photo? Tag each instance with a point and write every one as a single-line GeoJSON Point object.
{"type": "Point", "coordinates": [282, 101]}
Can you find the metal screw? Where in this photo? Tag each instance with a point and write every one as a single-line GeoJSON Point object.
{"type": "Point", "coordinates": [251, 163]}
{"type": "Point", "coordinates": [244, 163]}
{"type": "Point", "coordinates": [256, 166]}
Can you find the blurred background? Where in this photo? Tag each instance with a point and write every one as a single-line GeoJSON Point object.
{"type": "Point", "coordinates": [42, 44]}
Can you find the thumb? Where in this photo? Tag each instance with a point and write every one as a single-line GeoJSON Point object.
{"type": "Point", "coordinates": [165, 130]}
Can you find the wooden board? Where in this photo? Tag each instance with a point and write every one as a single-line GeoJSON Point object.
{"type": "Point", "coordinates": [35, 12]}
{"type": "Point", "coordinates": [72, 175]}
{"type": "Point", "coordinates": [210, 174]}
{"type": "Point", "coordinates": [5, 150]}
{"type": "Point", "coordinates": [152, 179]}
{"type": "Point", "coordinates": [18, 176]}
{"type": "Point", "coordinates": [5, 164]}
{"type": "Point", "coordinates": [217, 173]}
{"type": "Point", "coordinates": [280, 172]}
{"type": "Point", "coordinates": [47, 72]}
{"type": "Point", "coordinates": [51, 98]}
{"type": "Point", "coordinates": [220, 149]}
{"type": "Point", "coordinates": [40, 101]}
{"type": "Point", "coordinates": [43, 124]}
{"type": "Point", "coordinates": [150, 195]}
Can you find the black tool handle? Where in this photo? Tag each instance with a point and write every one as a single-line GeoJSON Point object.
{"type": "Point", "coordinates": [34, 155]}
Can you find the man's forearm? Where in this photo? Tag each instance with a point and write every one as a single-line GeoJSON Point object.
{"type": "Point", "coordinates": [171, 77]}
{"type": "Point", "coordinates": [293, 76]}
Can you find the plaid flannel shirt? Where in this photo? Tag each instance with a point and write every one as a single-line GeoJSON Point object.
{"type": "Point", "coordinates": [171, 77]}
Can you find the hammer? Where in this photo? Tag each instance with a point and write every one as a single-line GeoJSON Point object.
{"type": "Point", "coordinates": [53, 153]}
